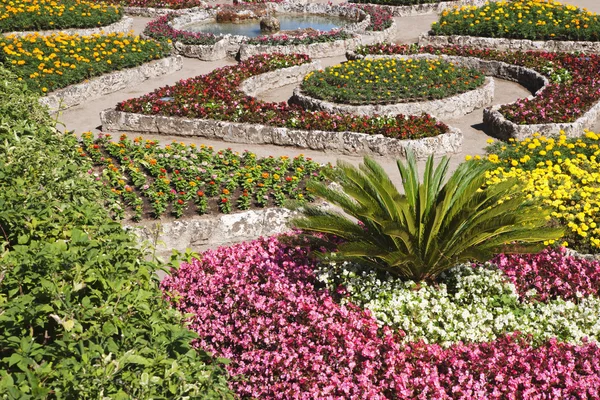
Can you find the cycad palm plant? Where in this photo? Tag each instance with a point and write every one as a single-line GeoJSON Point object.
{"type": "Point", "coordinates": [430, 228]}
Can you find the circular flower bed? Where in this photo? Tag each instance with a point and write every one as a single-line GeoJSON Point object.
{"type": "Point", "coordinates": [193, 180]}
{"type": "Point", "coordinates": [47, 63]}
{"type": "Point", "coordinates": [521, 19]}
{"type": "Point", "coordinates": [38, 15]}
{"type": "Point", "coordinates": [263, 306]}
{"type": "Point", "coordinates": [390, 81]}
{"type": "Point", "coordinates": [217, 96]}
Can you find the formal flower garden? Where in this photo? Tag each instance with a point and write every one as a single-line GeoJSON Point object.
{"type": "Point", "coordinates": [39, 15]}
{"type": "Point", "coordinates": [390, 81]}
{"type": "Point", "coordinates": [476, 279]}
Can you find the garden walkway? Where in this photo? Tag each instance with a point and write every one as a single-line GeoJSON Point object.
{"type": "Point", "coordinates": [85, 117]}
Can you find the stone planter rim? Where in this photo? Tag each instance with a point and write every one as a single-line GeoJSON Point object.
{"type": "Point", "coordinates": [124, 25]}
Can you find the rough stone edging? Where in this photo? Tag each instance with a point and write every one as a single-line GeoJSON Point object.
{"type": "Point", "coordinates": [429, 8]}
{"type": "Point", "coordinates": [108, 83]}
{"type": "Point", "coordinates": [503, 44]}
{"type": "Point", "coordinates": [450, 107]}
{"type": "Point", "coordinates": [156, 12]}
{"type": "Point", "coordinates": [497, 124]}
{"type": "Point", "coordinates": [588, 257]}
{"type": "Point", "coordinates": [124, 25]}
{"type": "Point", "coordinates": [213, 230]}
{"type": "Point", "coordinates": [278, 78]}
{"type": "Point", "coordinates": [320, 50]}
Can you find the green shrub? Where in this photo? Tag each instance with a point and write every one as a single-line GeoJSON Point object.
{"type": "Point", "coordinates": [434, 226]}
{"type": "Point", "coordinates": [81, 313]}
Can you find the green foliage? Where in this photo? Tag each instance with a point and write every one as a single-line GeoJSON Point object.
{"type": "Point", "coordinates": [81, 313]}
{"type": "Point", "coordinates": [433, 226]}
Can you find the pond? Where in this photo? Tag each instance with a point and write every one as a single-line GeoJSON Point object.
{"type": "Point", "coordinates": [289, 22]}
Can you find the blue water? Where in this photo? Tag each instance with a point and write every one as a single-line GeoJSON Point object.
{"type": "Point", "coordinates": [288, 22]}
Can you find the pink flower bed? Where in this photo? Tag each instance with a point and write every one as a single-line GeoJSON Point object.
{"type": "Point", "coordinates": [258, 304]}
{"type": "Point", "coordinates": [551, 273]}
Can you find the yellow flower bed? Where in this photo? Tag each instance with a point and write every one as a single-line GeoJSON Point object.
{"type": "Point", "coordinates": [564, 173]}
{"type": "Point", "coordinates": [53, 62]}
{"type": "Point", "coordinates": [37, 15]}
{"type": "Point", "coordinates": [521, 19]}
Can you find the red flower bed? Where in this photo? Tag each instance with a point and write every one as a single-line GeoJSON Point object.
{"type": "Point", "coordinates": [552, 274]}
{"type": "Point", "coordinates": [259, 305]}
{"type": "Point", "coordinates": [217, 96]}
{"type": "Point", "coordinates": [562, 101]}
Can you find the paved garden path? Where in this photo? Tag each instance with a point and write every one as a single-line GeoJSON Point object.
{"type": "Point", "coordinates": [85, 117]}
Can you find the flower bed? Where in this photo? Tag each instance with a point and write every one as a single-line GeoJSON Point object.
{"type": "Point", "coordinates": [56, 61]}
{"type": "Point", "coordinates": [160, 4]}
{"type": "Point", "coordinates": [573, 89]}
{"type": "Point", "coordinates": [39, 15]}
{"type": "Point", "coordinates": [521, 19]}
{"type": "Point", "coordinates": [160, 29]}
{"type": "Point", "coordinates": [151, 180]}
{"type": "Point", "coordinates": [390, 81]}
{"type": "Point", "coordinates": [217, 96]}
{"type": "Point", "coordinates": [260, 304]}
{"type": "Point", "coordinates": [564, 173]}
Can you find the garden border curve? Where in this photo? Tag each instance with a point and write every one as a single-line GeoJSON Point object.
{"type": "Point", "coordinates": [503, 44]}
{"type": "Point", "coordinates": [150, 12]}
{"type": "Point", "coordinates": [427, 8]}
{"type": "Point", "coordinates": [124, 25]}
{"type": "Point", "coordinates": [75, 94]}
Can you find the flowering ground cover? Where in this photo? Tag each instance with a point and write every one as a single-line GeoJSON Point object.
{"type": "Point", "coordinates": [574, 87]}
{"type": "Point", "coordinates": [387, 81]}
{"type": "Point", "coordinates": [261, 304]}
{"type": "Point", "coordinates": [217, 96]}
{"type": "Point", "coordinates": [303, 38]}
{"type": "Point", "coordinates": [398, 2]}
{"type": "Point", "coordinates": [521, 19]}
{"type": "Point", "coordinates": [151, 179]}
{"type": "Point", "coordinates": [38, 15]}
{"type": "Point", "coordinates": [170, 4]}
{"type": "Point", "coordinates": [160, 29]}
{"type": "Point", "coordinates": [564, 173]}
{"type": "Point", "coordinates": [56, 61]}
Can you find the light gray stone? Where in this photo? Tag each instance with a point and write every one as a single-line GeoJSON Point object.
{"type": "Point", "coordinates": [430, 8]}
{"type": "Point", "coordinates": [109, 83]}
{"type": "Point", "coordinates": [150, 12]}
{"type": "Point", "coordinates": [122, 26]}
{"type": "Point", "coordinates": [510, 44]}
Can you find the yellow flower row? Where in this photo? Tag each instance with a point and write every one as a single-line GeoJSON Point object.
{"type": "Point", "coordinates": [564, 173]}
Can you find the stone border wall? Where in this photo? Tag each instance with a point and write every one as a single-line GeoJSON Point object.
{"type": "Point", "coordinates": [124, 26]}
{"type": "Point", "coordinates": [353, 143]}
{"type": "Point", "coordinates": [212, 230]}
{"type": "Point", "coordinates": [109, 83]}
{"type": "Point", "coordinates": [320, 50]}
{"type": "Point", "coordinates": [150, 12]}
{"type": "Point", "coordinates": [450, 107]}
{"type": "Point", "coordinates": [510, 44]}
{"type": "Point", "coordinates": [430, 8]}
{"type": "Point", "coordinates": [278, 78]}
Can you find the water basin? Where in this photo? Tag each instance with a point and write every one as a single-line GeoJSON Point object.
{"type": "Point", "coordinates": [288, 22]}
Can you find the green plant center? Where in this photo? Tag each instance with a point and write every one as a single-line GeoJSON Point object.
{"type": "Point", "coordinates": [388, 81]}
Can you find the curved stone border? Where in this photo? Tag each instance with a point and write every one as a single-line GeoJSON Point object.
{"type": "Point", "coordinates": [588, 257]}
{"type": "Point", "coordinates": [429, 8]}
{"type": "Point", "coordinates": [212, 230]}
{"type": "Point", "coordinates": [122, 26]}
{"type": "Point", "coordinates": [510, 44]}
{"type": "Point", "coordinates": [108, 83]}
{"type": "Point", "coordinates": [450, 107]}
{"type": "Point", "coordinates": [236, 132]}
{"type": "Point", "coordinates": [150, 12]}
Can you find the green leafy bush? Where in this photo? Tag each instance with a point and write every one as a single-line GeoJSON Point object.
{"type": "Point", "coordinates": [81, 313]}
{"type": "Point", "coordinates": [431, 228]}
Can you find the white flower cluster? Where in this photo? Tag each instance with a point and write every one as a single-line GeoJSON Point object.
{"type": "Point", "coordinates": [468, 304]}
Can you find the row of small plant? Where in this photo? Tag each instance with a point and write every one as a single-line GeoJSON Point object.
{"type": "Point", "coordinates": [152, 179]}
{"type": "Point", "coordinates": [398, 2]}
{"type": "Point", "coordinates": [384, 81]}
{"type": "Point", "coordinates": [82, 315]}
{"type": "Point", "coordinates": [48, 63]}
{"type": "Point", "coordinates": [303, 38]}
{"type": "Point", "coordinates": [564, 173]}
{"type": "Point", "coordinates": [168, 4]}
{"type": "Point", "coordinates": [574, 87]}
{"type": "Point", "coordinates": [161, 30]}
{"type": "Point", "coordinates": [38, 15]}
{"type": "Point", "coordinates": [521, 19]}
{"type": "Point", "coordinates": [217, 96]}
